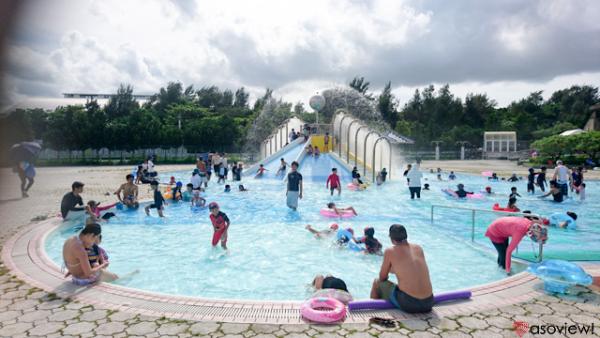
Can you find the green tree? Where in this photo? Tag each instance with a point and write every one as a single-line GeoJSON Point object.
{"type": "Point", "coordinates": [241, 98]}
{"type": "Point", "coordinates": [122, 104]}
{"type": "Point", "coordinates": [361, 85]}
{"type": "Point", "coordinates": [386, 104]}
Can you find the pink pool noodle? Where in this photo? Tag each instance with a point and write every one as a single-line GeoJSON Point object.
{"type": "Point", "coordinates": [380, 304]}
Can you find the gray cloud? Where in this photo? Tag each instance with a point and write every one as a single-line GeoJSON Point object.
{"type": "Point", "coordinates": [412, 44]}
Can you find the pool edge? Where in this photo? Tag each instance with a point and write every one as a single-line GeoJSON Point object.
{"type": "Point", "coordinates": [25, 256]}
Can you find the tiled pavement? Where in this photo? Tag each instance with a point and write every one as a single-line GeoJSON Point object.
{"type": "Point", "coordinates": [29, 312]}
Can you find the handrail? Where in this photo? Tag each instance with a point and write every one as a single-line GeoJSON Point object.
{"type": "Point", "coordinates": [341, 125]}
{"type": "Point", "coordinates": [348, 139]}
{"type": "Point", "coordinates": [365, 151]}
{"type": "Point", "coordinates": [474, 210]}
{"type": "Point", "coordinates": [375, 149]}
{"type": "Point", "coordinates": [356, 144]}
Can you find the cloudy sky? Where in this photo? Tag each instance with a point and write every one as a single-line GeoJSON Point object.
{"type": "Point", "coordinates": [506, 49]}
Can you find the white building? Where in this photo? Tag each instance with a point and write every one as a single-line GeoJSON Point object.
{"type": "Point", "coordinates": [499, 143]}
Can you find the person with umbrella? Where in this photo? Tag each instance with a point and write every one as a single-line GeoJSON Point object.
{"type": "Point", "coordinates": [23, 154]}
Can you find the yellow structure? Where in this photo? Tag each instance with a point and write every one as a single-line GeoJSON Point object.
{"type": "Point", "coordinates": [319, 141]}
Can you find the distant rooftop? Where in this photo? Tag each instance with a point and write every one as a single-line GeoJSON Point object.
{"type": "Point", "coordinates": [92, 96]}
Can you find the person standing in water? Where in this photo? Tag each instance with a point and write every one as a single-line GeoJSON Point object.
{"type": "Point", "coordinates": [333, 182]}
{"type": "Point", "coordinates": [220, 223]}
{"type": "Point", "coordinates": [294, 187]}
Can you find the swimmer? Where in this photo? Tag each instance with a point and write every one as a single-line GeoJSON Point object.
{"type": "Point", "coordinates": [439, 177]}
{"type": "Point", "coordinates": [261, 170]}
{"type": "Point", "coordinates": [555, 191]}
{"type": "Point", "coordinates": [513, 178]}
{"type": "Point", "coordinates": [513, 193]}
{"type": "Point", "coordinates": [241, 188]}
{"type": "Point", "coordinates": [494, 177]}
{"type": "Point", "coordinates": [563, 220]}
{"type": "Point", "coordinates": [461, 193]}
{"type": "Point", "coordinates": [197, 200]}
{"type": "Point", "coordinates": [371, 243]}
{"type": "Point", "coordinates": [188, 193]}
{"type": "Point", "coordinates": [93, 209]}
{"type": "Point", "coordinates": [316, 152]}
{"type": "Point", "coordinates": [320, 233]}
{"type": "Point", "coordinates": [488, 190]}
{"type": "Point", "coordinates": [282, 167]}
{"type": "Point", "coordinates": [172, 181]}
{"type": "Point", "coordinates": [426, 186]}
{"type": "Point", "coordinates": [452, 176]}
{"type": "Point", "coordinates": [227, 188]}
{"type": "Point", "coordinates": [333, 182]}
{"type": "Point", "coordinates": [340, 211]}
{"type": "Point", "coordinates": [343, 239]}
{"type": "Point", "coordinates": [159, 200]}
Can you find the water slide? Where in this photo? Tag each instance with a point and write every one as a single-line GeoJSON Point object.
{"type": "Point", "coordinates": [289, 153]}
{"type": "Point", "coordinates": [317, 169]}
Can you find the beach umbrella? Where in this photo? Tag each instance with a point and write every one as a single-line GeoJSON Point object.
{"type": "Point", "coordinates": [24, 151]}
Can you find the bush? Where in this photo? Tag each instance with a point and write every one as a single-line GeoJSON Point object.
{"type": "Point", "coordinates": [574, 148]}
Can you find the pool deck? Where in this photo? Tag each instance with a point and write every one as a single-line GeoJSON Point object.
{"type": "Point", "coordinates": [36, 301]}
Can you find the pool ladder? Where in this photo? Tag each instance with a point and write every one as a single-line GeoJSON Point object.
{"type": "Point", "coordinates": [474, 212]}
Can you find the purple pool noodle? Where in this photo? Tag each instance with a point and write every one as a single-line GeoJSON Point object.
{"type": "Point", "coordinates": [380, 304]}
{"type": "Point", "coordinates": [453, 295]}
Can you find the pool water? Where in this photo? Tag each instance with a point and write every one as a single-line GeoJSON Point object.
{"type": "Point", "coordinates": [272, 257]}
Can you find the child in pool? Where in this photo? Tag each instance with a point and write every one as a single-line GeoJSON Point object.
{"type": "Point", "coordinates": [340, 211]}
{"type": "Point", "coordinates": [242, 188]}
{"type": "Point", "coordinates": [188, 194]}
{"type": "Point", "coordinates": [220, 223]}
{"type": "Point", "coordinates": [426, 186]}
{"type": "Point", "coordinates": [371, 243]}
{"type": "Point", "coordinates": [197, 200]}
{"type": "Point", "coordinates": [513, 193]}
{"type": "Point", "coordinates": [582, 192]}
{"type": "Point", "coordinates": [159, 200]}
{"type": "Point", "coordinates": [227, 188]}
{"type": "Point", "coordinates": [512, 204]}
{"type": "Point", "coordinates": [260, 172]}
{"type": "Point", "coordinates": [461, 193]}
{"type": "Point", "coordinates": [452, 176]}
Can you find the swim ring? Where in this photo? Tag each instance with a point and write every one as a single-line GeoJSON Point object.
{"type": "Point", "coordinates": [330, 213]}
{"type": "Point", "coordinates": [323, 310]}
{"type": "Point", "coordinates": [497, 207]}
{"type": "Point", "coordinates": [354, 187]}
{"type": "Point", "coordinates": [559, 276]}
{"type": "Point", "coordinates": [352, 245]}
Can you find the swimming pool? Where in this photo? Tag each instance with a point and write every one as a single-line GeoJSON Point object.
{"type": "Point", "coordinates": [272, 256]}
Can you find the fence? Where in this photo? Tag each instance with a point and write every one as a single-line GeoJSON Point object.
{"type": "Point", "coordinates": [106, 156]}
{"type": "Point", "coordinates": [280, 137]}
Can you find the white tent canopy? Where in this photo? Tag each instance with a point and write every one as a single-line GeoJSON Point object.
{"type": "Point", "coordinates": [572, 132]}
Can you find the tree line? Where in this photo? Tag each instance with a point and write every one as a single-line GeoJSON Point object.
{"type": "Point", "coordinates": [210, 118]}
{"type": "Point", "coordinates": [438, 115]}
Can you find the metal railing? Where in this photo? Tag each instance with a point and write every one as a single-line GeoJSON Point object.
{"type": "Point", "coordinates": [473, 214]}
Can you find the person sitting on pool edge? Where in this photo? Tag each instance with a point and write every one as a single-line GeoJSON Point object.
{"type": "Point", "coordinates": [340, 211]}
{"type": "Point", "coordinates": [372, 245]}
{"type": "Point", "coordinates": [130, 193]}
{"type": "Point", "coordinates": [76, 259]}
{"type": "Point", "coordinates": [319, 233]}
{"type": "Point", "coordinates": [413, 293]}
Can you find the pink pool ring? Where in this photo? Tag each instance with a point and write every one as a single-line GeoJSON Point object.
{"type": "Point", "coordinates": [352, 186]}
{"type": "Point", "coordinates": [332, 214]}
{"type": "Point", "coordinates": [323, 310]}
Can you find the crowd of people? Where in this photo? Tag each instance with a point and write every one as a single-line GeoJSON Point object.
{"type": "Point", "coordinates": [86, 262]}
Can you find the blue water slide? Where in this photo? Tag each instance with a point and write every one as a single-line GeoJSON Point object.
{"type": "Point", "coordinates": [317, 169]}
{"type": "Point", "coordinates": [289, 153]}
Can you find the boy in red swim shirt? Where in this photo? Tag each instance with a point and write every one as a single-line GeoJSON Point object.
{"type": "Point", "coordinates": [333, 182]}
{"type": "Point", "coordinates": [220, 223]}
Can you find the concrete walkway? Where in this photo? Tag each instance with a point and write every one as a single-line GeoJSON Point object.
{"type": "Point", "coordinates": [29, 312]}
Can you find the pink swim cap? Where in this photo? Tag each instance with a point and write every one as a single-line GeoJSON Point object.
{"type": "Point", "coordinates": [334, 226]}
